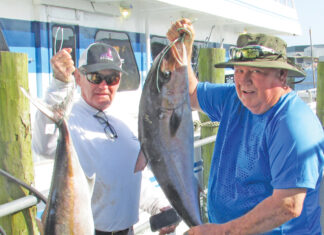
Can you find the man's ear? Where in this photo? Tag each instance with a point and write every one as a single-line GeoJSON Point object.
{"type": "Point", "coordinates": [77, 76]}
{"type": "Point", "coordinates": [283, 72]}
{"type": "Point", "coordinates": [283, 75]}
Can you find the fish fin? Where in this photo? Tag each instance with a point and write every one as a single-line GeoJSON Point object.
{"type": "Point", "coordinates": [91, 182]}
{"type": "Point", "coordinates": [141, 162]}
{"type": "Point", "coordinates": [175, 120]}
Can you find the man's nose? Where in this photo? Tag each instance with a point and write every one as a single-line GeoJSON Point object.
{"type": "Point", "coordinates": [245, 77]}
{"type": "Point", "coordinates": [103, 83]}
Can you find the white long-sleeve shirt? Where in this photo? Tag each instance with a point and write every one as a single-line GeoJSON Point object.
{"type": "Point", "coordinates": [116, 197]}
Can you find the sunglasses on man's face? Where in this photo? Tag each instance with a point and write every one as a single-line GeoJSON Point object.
{"type": "Point", "coordinates": [97, 78]}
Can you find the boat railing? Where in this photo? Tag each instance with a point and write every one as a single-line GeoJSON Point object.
{"type": "Point", "coordinates": [308, 95]}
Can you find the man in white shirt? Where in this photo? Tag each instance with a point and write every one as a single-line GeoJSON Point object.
{"type": "Point", "coordinates": [104, 144]}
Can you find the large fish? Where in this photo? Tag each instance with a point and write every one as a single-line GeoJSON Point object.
{"type": "Point", "coordinates": [68, 209]}
{"type": "Point", "coordinates": [166, 132]}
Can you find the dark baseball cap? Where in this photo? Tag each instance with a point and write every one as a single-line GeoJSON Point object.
{"type": "Point", "coordinates": [100, 56]}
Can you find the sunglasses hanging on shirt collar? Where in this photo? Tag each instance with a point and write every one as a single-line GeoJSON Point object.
{"type": "Point", "coordinates": [108, 128]}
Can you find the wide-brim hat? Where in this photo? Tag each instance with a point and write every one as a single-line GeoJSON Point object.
{"type": "Point", "coordinates": [276, 59]}
{"type": "Point", "coordinates": [100, 56]}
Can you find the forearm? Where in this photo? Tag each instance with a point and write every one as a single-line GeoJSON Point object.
{"type": "Point", "coordinates": [193, 82]}
{"type": "Point", "coordinates": [262, 218]}
{"type": "Point", "coordinates": [45, 133]}
{"type": "Point", "coordinates": [269, 214]}
{"type": "Point", "coordinates": [152, 198]}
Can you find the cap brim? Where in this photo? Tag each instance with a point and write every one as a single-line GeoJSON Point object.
{"type": "Point", "coordinates": [102, 66]}
{"type": "Point", "coordinates": [292, 71]}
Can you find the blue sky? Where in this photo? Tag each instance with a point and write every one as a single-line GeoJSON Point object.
{"type": "Point", "coordinates": [311, 15]}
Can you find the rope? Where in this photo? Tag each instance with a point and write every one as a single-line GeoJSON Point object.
{"type": "Point", "coordinates": [55, 39]}
{"type": "Point", "coordinates": [209, 124]}
{"type": "Point", "coordinates": [165, 51]}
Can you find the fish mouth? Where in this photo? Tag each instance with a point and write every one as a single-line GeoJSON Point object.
{"type": "Point", "coordinates": [173, 57]}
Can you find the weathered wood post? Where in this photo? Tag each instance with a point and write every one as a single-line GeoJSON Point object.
{"type": "Point", "coordinates": [15, 141]}
{"type": "Point", "coordinates": [320, 90]}
{"type": "Point", "coordinates": [208, 57]}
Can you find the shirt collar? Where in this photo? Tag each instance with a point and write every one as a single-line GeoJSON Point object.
{"type": "Point", "coordinates": [91, 110]}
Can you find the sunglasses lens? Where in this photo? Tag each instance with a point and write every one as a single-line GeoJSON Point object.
{"type": "Point", "coordinates": [96, 78]}
{"type": "Point", "coordinates": [112, 79]}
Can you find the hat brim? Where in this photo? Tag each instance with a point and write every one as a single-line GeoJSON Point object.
{"type": "Point", "coordinates": [101, 66]}
{"type": "Point", "coordinates": [292, 70]}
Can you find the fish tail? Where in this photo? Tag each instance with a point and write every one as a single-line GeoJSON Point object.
{"type": "Point", "coordinates": [49, 111]}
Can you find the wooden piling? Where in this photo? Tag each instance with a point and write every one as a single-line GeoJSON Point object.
{"type": "Point", "coordinates": [208, 57]}
{"type": "Point", "coordinates": [320, 90]}
{"type": "Point", "coordinates": [15, 141]}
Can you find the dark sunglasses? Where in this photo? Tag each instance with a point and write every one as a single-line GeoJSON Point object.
{"type": "Point", "coordinates": [108, 128]}
{"type": "Point", "coordinates": [97, 78]}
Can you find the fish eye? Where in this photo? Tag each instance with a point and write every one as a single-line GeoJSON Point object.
{"type": "Point", "coordinates": [167, 74]}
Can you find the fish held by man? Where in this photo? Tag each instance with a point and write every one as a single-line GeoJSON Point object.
{"type": "Point", "coordinates": [166, 132]}
{"type": "Point", "coordinates": [68, 208]}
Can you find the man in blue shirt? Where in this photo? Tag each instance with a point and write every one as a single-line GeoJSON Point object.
{"type": "Point", "coordinates": [268, 159]}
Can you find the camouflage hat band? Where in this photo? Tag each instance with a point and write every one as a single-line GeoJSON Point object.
{"type": "Point", "coordinates": [262, 51]}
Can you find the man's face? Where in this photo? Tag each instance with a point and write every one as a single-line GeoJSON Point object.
{"type": "Point", "coordinates": [259, 88]}
{"type": "Point", "coordinates": [99, 96]}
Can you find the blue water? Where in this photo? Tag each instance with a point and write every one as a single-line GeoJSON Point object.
{"type": "Point", "coordinates": [308, 82]}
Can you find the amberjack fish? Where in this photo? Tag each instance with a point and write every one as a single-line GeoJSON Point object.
{"type": "Point", "coordinates": [166, 132]}
{"type": "Point", "coordinates": [68, 208]}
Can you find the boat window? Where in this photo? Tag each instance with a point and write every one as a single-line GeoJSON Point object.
{"type": "Point", "coordinates": [63, 36]}
{"type": "Point", "coordinates": [121, 42]}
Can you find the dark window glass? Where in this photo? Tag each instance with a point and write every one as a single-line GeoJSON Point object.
{"type": "Point", "coordinates": [63, 37]}
{"type": "Point", "coordinates": [121, 42]}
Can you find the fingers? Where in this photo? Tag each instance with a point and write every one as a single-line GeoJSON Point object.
{"type": "Point", "coordinates": [167, 230]}
{"type": "Point", "coordinates": [179, 27]}
{"type": "Point", "coordinates": [165, 208]}
{"type": "Point", "coordinates": [183, 26]}
{"type": "Point", "coordinates": [63, 65]}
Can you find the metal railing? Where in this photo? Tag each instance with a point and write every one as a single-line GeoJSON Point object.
{"type": "Point", "coordinates": [23, 202]}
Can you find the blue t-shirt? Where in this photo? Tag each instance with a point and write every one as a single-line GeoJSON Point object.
{"type": "Point", "coordinates": [254, 154]}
